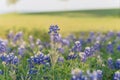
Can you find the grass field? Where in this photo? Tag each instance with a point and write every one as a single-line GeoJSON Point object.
{"type": "Point", "coordinates": [71, 21]}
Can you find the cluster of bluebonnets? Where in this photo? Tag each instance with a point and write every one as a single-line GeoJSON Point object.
{"type": "Point", "coordinates": [88, 56]}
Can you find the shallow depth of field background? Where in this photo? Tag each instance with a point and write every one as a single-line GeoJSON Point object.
{"type": "Point", "coordinates": [95, 16]}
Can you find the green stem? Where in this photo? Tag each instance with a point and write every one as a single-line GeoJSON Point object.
{"type": "Point", "coordinates": [38, 73]}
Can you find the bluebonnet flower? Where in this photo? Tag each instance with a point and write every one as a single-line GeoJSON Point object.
{"type": "Point", "coordinates": [82, 41]}
{"type": "Point", "coordinates": [118, 47]}
{"type": "Point", "coordinates": [97, 46]}
{"type": "Point", "coordinates": [96, 75]}
{"type": "Point", "coordinates": [15, 60]}
{"type": "Point", "coordinates": [110, 47]}
{"type": "Point", "coordinates": [18, 36]}
{"type": "Point", "coordinates": [47, 59]}
{"type": "Point", "coordinates": [61, 50]}
{"type": "Point", "coordinates": [87, 51]}
{"type": "Point", "coordinates": [89, 40]}
{"type": "Point", "coordinates": [77, 47]}
{"type": "Point", "coordinates": [3, 46]}
{"type": "Point", "coordinates": [99, 75]}
{"type": "Point", "coordinates": [31, 63]}
{"type": "Point", "coordinates": [72, 56]}
{"type": "Point", "coordinates": [116, 76]}
{"type": "Point", "coordinates": [40, 58]}
{"type": "Point", "coordinates": [117, 64]}
{"type": "Point", "coordinates": [10, 56]}
{"type": "Point", "coordinates": [3, 57]}
{"type": "Point", "coordinates": [10, 59]}
{"type": "Point", "coordinates": [55, 37]}
{"type": "Point", "coordinates": [92, 50]}
{"type": "Point", "coordinates": [32, 71]}
{"type": "Point", "coordinates": [60, 59]}
{"type": "Point", "coordinates": [77, 74]}
{"type": "Point", "coordinates": [91, 34]}
{"type": "Point", "coordinates": [110, 34]}
{"type": "Point", "coordinates": [83, 56]}
{"type": "Point", "coordinates": [54, 29]}
{"type": "Point", "coordinates": [98, 38]}
{"type": "Point", "coordinates": [93, 76]}
{"type": "Point", "coordinates": [110, 63]}
{"type": "Point", "coordinates": [118, 34]}
{"type": "Point", "coordinates": [65, 42]}
{"type": "Point", "coordinates": [91, 37]}
{"type": "Point", "coordinates": [21, 50]}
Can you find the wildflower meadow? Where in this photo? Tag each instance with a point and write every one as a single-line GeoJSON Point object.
{"type": "Point", "coordinates": [86, 56]}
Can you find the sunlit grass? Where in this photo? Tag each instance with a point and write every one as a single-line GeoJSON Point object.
{"type": "Point", "coordinates": [68, 21]}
